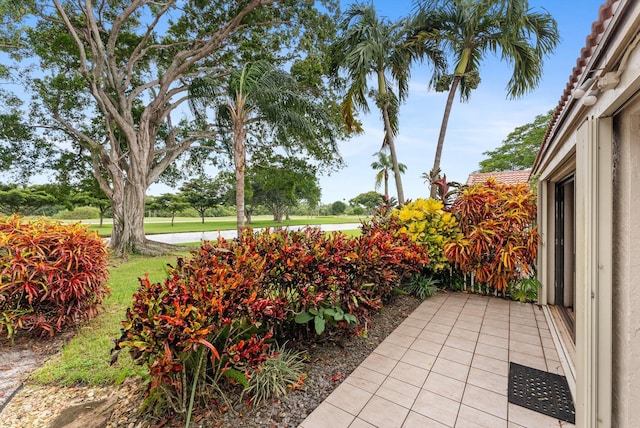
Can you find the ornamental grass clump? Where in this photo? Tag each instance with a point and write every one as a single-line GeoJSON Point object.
{"type": "Point", "coordinates": [52, 276]}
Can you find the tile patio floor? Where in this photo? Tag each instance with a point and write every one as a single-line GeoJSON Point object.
{"type": "Point", "coordinates": [446, 365]}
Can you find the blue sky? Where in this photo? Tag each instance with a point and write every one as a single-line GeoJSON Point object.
{"type": "Point", "coordinates": [475, 127]}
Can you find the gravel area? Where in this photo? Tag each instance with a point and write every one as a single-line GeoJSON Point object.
{"type": "Point", "coordinates": [330, 363]}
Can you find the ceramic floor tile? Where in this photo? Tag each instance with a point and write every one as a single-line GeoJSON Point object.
{"type": "Point", "coordinates": [410, 374]}
{"type": "Point", "coordinates": [476, 319]}
{"type": "Point", "coordinates": [458, 343]}
{"type": "Point", "coordinates": [490, 365]}
{"type": "Point", "coordinates": [517, 328]}
{"type": "Point", "coordinates": [349, 398]}
{"type": "Point", "coordinates": [416, 420]}
{"type": "Point", "coordinates": [528, 360]}
{"type": "Point", "coordinates": [447, 320]}
{"type": "Point", "coordinates": [530, 419]}
{"type": "Point", "coordinates": [555, 367]}
{"type": "Point", "coordinates": [464, 333]}
{"type": "Point", "coordinates": [419, 359]}
{"type": "Point", "coordinates": [445, 386]}
{"type": "Point", "coordinates": [496, 331]}
{"type": "Point", "coordinates": [407, 330]}
{"type": "Point", "coordinates": [550, 353]}
{"type": "Point", "coordinates": [391, 350]}
{"type": "Point", "coordinates": [526, 348]}
{"type": "Point", "coordinates": [499, 316]}
{"type": "Point", "coordinates": [436, 327]}
{"type": "Point", "coordinates": [469, 417]}
{"type": "Point", "coordinates": [327, 416]}
{"type": "Point", "coordinates": [415, 322]}
{"type": "Point", "coordinates": [531, 339]}
{"type": "Point", "coordinates": [485, 401]}
{"type": "Point", "coordinates": [423, 315]}
{"type": "Point", "coordinates": [526, 322]}
{"type": "Point", "coordinates": [492, 351]}
{"type": "Point", "coordinates": [487, 380]}
{"type": "Point", "coordinates": [469, 325]}
{"type": "Point", "coordinates": [359, 423]}
{"type": "Point", "coordinates": [426, 346]}
{"type": "Point", "coordinates": [451, 369]}
{"type": "Point", "coordinates": [399, 339]}
{"type": "Point", "coordinates": [436, 407]}
{"type": "Point", "coordinates": [383, 413]}
{"type": "Point", "coordinates": [457, 355]}
{"type": "Point", "coordinates": [502, 342]}
{"type": "Point", "coordinates": [379, 363]}
{"type": "Point", "coordinates": [398, 392]}
{"type": "Point", "coordinates": [497, 324]}
{"type": "Point", "coordinates": [433, 336]}
{"type": "Point", "coordinates": [369, 375]}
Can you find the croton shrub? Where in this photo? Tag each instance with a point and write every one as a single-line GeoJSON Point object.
{"type": "Point", "coordinates": [499, 241]}
{"type": "Point", "coordinates": [52, 275]}
{"type": "Point", "coordinates": [428, 224]}
{"type": "Point", "coordinates": [214, 320]}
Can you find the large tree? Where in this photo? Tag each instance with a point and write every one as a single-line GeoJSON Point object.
{"type": "Point", "coordinates": [518, 151]}
{"type": "Point", "coordinates": [471, 30]}
{"type": "Point", "coordinates": [369, 46]}
{"type": "Point", "coordinates": [263, 98]}
{"type": "Point", "coordinates": [24, 200]}
{"type": "Point", "coordinates": [281, 183]}
{"type": "Point", "coordinates": [111, 79]}
{"type": "Point", "coordinates": [203, 193]}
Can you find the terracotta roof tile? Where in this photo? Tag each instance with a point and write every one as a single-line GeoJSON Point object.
{"type": "Point", "coordinates": [605, 13]}
{"type": "Point", "coordinates": [506, 177]}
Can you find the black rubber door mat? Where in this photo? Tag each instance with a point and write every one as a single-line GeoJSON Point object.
{"type": "Point", "coordinates": [542, 392]}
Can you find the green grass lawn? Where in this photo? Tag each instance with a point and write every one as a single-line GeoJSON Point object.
{"type": "Point", "coordinates": [163, 225]}
{"type": "Point", "coordinates": [85, 359]}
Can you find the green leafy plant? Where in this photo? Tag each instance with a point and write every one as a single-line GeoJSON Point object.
{"type": "Point", "coordinates": [421, 286]}
{"type": "Point", "coordinates": [322, 316]}
{"type": "Point", "coordinates": [281, 369]}
{"type": "Point", "coordinates": [525, 290]}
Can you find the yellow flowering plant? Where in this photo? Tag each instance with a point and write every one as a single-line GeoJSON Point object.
{"type": "Point", "coordinates": [428, 224]}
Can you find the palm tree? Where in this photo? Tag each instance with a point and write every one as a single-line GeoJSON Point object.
{"type": "Point", "coordinates": [259, 93]}
{"type": "Point", "coordinates": [470, 30]}
{"type": "Point", "coordinates": [383, 165]}
{"type": "Point", "coordinates": [375, 47]}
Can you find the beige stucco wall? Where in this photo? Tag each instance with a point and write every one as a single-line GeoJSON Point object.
{"type": "Point", "coordinates": [626, 291]}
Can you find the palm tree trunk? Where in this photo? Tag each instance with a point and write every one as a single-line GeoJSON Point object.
{"type": "Point", "coordinates": [443, 131]}
{"type": "Point", "coordinates": [239, 159]}
{"type": "Point", "coordinates": [386, 185]}
{"type": "Point", "coordinates": [392, 151]}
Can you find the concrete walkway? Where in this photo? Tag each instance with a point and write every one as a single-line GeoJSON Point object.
{"type": "Point", "coordinates": [446, 365]}
{"type": "Point", "coordinates": [184, 237]}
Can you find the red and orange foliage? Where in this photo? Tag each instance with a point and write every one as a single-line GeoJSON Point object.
{"type": "Point", "coordinates": [499, 239]}
{"type": "Point", "coordinates": [234, 298]}
{"type": "Point", "coordinates": [52, 275]}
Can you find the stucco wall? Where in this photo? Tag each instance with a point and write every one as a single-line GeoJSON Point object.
{"type": "Point", "coordinates": [626, 279]}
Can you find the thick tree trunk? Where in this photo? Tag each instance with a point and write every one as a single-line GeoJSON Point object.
{"type": "Point", "coordinates": [128, 220]}
{"type": "Point", "coordinates": [443, 131]}
{"type": "Point", "coordinates": [394, 157]}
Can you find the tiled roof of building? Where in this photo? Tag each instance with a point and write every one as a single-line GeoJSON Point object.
{"type": "Point", "coordinates": [506, 177]}
{"type": "Point", "coordinates": [605, 13]}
